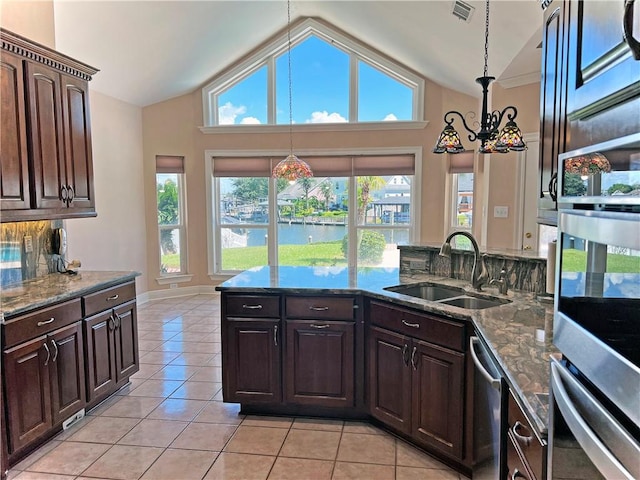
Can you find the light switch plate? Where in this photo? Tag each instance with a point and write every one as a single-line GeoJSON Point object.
{"type": "Point", "coordinates": [500, 212]}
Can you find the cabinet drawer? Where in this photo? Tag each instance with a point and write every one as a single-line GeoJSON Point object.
{"type": "Point", "coordinates": [253, 306]}
{"type": "Point", "coordinates": [522, 433]}
{"type": "Point", "coordinates": [108, 298]}
{"type": "Point", "coordinates": [424, 327]}
{"type": "Point", "coordinates": [40, 322]}
{"type": "Point", "coordinates": [515, 466]}
{"type": "Point", "coordinates": [320, 307]}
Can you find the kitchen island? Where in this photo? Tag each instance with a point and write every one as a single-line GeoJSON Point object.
{"type": "Point", "coordinates": [518, 333]}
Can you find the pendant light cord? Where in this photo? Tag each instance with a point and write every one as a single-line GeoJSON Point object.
{"type": "Point", "coordinates": [290, 81]}
{"type": "Point", "coordinates": [486, 41]}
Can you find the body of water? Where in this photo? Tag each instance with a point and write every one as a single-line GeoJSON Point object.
{"type": "Point", "coordinates": [298, 234]}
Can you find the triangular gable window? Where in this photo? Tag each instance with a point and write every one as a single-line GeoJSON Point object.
{"type": "Point", "coordinates": [334, 80]}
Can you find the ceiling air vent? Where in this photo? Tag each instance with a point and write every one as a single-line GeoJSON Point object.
{"type": "Point", "coordinates": [462, 10]}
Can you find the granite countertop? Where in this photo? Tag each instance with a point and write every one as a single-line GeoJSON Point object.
{"type": "Point", "coordinates": [519, 333]}
{"type": "Point", "coordinates": [54, 288]}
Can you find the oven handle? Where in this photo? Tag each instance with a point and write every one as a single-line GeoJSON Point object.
{"type": "Point", "coordinates": [494, 382]}
{"type": "Point", "coordinates": [598, 453]}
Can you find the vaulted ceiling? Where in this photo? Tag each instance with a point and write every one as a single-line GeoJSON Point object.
{"type": "Point", "coordinates": [150, 51]}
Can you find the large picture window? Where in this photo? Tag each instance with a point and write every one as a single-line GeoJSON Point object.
{"type": "Point", "coordinates": [355, 210]}
{"type": "Point", "coordinates": [335, 80]}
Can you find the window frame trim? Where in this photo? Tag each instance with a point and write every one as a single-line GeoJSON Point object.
{"type": "Point", "coordinates": [213, 207]}
{"type": "Point", "coordinates": [300, 31]}
{"type": "Point", "coordinates": [181, 226]}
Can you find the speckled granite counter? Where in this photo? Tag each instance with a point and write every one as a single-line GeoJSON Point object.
{"type": "Point", "coordinates": [518, 333]}
{"type": "Point", "coordinates": [55, 288]}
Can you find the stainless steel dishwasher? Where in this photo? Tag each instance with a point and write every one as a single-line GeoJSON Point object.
{"type": "Point", "coordinates": [489, 415]}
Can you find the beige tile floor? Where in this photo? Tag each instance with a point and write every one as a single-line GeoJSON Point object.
{"type": "Point", "coordinates": [170, 422]}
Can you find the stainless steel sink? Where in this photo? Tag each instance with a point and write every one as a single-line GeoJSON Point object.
{"type": "Point", "coordinates": [474, 303]}
{"type": "Point", "coordinates": [427, 292]}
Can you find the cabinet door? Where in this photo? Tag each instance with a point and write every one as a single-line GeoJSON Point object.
{"type": "Point", "coordinates": [77, 133]}
{"type": "Point", "coordinates": [126, 340]}
{"type": "Point", "coordinates": [100, 355]}
{"type": "Point", "coordinates": [46, 137]}
{"type": "Point", "coordinates": [251, 355]}
{"type": "Point", "coordinates": [604, 78]}
{"type": "Point", "coordinates": [553, 100]}
{"type": "Point", "coordinates": [320, 363]}
{"type": "Point", "coordinates": [438, 397]}
{"type": "Point", "coordinates": [68, 390]}
{"type": "Point", "coordinates": [27, 390]}
{"type": "Point", "coordinates": [14, 170]}
{"type": "Point", "coordinates": [390, 378]}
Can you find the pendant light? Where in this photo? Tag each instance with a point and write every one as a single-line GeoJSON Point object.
{"type": "Point", "coordinates": [492, 140]}
{"type": "Point", "coordinates": [291, 168]}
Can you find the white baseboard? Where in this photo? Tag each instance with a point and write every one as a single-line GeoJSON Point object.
{"type": "Point", "coordinates": [145, 297]}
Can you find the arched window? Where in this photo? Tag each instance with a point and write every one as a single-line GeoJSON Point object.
{"type": "Point", "coordinates": [334, 80]}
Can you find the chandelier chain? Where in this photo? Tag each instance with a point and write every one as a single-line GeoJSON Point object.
{"type": "Point", "coordinates": [486, 41]}
{"type": "Point", "coordinates": [290, 81]}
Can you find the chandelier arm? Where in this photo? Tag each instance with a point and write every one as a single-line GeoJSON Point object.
{"type": "Point", "coordinates": [510, 116]}
{"type": "Point", "coordinates": [472, 134]}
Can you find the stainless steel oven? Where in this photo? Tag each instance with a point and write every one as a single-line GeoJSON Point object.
{"type": "Point", "coordinates": [594, 429]}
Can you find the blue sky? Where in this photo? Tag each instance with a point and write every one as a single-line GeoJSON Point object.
{"type": "Point", "coordinates": [320, 86]}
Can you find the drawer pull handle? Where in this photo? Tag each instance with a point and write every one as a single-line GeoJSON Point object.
{"type": "Point", "coordinates": [412, 325]}
{"type": "Point", "coordinates": [113, 297]}
{"type": "Point", "coordinates": [55, 353]}
{"type": "Point", "coordinates": [318, 309]}
{"type": "Point", "coordinates": [275, 335]}
{"type": "Point", "coordinates": [525, 440]}
{"type": "Point", "coordinates": [46, 322]}
{"type": "Point", "coordinates": [315, 325]}
{"type": "Point", "coordinates": [252, 307]}
{"type": "Point", "coordinates": [414, 363]}
{"type": "Point", "coordinates": [46, 362]}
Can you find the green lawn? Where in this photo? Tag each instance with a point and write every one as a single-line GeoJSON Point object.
{"type": "Point", "coordinates": [312, 254]}
{"type": "Point", "coordinates": [576, 261]}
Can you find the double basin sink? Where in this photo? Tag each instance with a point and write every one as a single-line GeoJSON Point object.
{"type": "Point", "coordinates": [453, 296]}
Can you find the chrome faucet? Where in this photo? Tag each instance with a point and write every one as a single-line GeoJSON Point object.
{"type": "Point", "coordinates": [477, 278]}
{"type": "Point", "coordinates": [502, 283]}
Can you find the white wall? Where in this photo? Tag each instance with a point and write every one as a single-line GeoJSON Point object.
{"type": "Point", "coordinates": [116, 238]}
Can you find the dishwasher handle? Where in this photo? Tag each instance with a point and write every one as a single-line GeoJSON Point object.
{"type": "Point", "coordinates": [494, 382]}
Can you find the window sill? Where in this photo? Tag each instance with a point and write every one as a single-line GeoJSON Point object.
{"type": "Point", "coordinates": [178, 278]}
{"type": "Point", "coordinates": [314, 127]}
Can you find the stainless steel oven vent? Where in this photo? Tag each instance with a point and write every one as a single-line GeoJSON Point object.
{"type": "Point", "coordinates": [462, 10]}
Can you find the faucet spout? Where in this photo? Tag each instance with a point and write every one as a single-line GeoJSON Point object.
{"type": "Point", "coordinates": [479, 275]}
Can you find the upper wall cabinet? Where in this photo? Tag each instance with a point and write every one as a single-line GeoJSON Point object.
{"type": "Point", "coordinates": [604, 71]}
{"type": "Point", "coordinates": [46, 169]}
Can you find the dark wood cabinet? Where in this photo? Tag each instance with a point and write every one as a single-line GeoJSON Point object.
{"type": "Point", "coordinates": [415, 385]}
{"type": "Point", "coordinates": [14, 174]}
{"type": "Point", "coordinates": [47, 169]}
{"type": "Point", "coordinates": [320, 363]}
{"type": "Point", "coordinates": [438, 397]}
{"type": "Point", "coordinates": [111, 340]}
{"type": "Point", "coordinates": [390, 378]}
{"type": "Point", "coordinates": [553, 103]}
{"type": "Point", "coordinates": [44, 384]}
{"type": "Point", "coordinates": [603, 75]}
{"type": "Point", "coordinates": [252, 358]}
{"type": "Point", "coordinates": [528, 452]}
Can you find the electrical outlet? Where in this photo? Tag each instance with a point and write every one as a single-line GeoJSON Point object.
{"type": "Point", "coordinates": [173, 285]}
{"type": "Point", "coordinates": [28, 244]}
{"type": "Point", "coordinates": [417, 264]}
{"type": "Point", "coordinates": [501, 212]}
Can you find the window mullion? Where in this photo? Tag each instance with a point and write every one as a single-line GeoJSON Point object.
{"type": "Point", "coordinates": [353, 88]}
{"type": "Point", "coordinates": [352, 223]}
{"type": "Point", "coordinates": [271, 90]}
{"type": "Point", "coordinates": [272, 228]}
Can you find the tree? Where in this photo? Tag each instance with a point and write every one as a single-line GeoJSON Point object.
{"type": "Point", "coordinates": [251, 190]}
{"type": "Point", "coordinates": [573, 185]}
{"type": "Point", "coordinates": [326, 188]}
{"type": "Point", "coordinates": [619, 187]}
{"type": "Point", "coordinates": [306, 184]}
{"type": "Point", "coordinates": [366, 186]}
{"type": "Point", "coordinates": [168, 212]}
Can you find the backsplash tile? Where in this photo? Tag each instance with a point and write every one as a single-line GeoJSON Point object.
{"type": "Point", "coordinates": [15, 264]}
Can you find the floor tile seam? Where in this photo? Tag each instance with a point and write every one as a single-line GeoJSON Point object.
{"type": "Point", "coordinates": [104, 443]}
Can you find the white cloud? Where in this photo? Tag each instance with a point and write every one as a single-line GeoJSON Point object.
{"type": "Point", "coordinates": [325, 117]}
{"type": "Point", "coordinates": [227, 113]}
{"type": "Point", "coordinates": [390, 118]}
{"type": "Point", "coordinates": [250, 121]}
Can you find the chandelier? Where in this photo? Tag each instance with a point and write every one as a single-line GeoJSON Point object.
{"type": "Point", "coordinates": [291, 168]}
{"type": "Point", "coordinates": [492, 140]}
